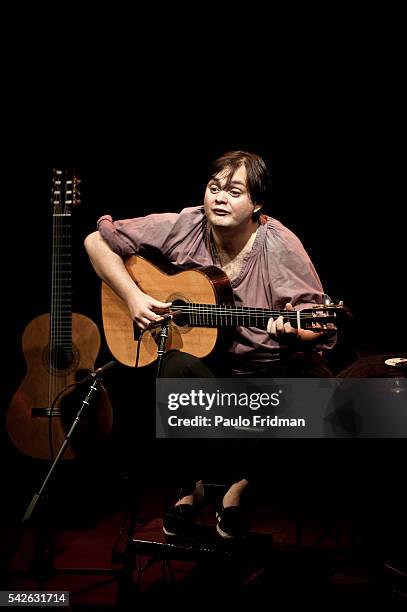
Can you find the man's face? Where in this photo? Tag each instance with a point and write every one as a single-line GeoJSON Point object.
{"type": "Point", "coordinates": [228, 203]}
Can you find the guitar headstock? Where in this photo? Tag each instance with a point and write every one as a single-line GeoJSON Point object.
{"type": "Point", "coordinates": [64, 192]}
{"type": "Point", "coordinates": [322, 317]}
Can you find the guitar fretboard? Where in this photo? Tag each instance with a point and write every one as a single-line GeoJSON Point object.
{"type": "Point", "coordinates": [61, 294]}
{"type": "Point", "coordinates": [214, 315]}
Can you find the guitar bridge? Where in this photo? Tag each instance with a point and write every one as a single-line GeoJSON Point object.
{"type": "Point", "coordinates": [45, 412]}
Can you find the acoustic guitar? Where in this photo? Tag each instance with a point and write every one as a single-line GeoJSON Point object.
{"type": "Point", "coordinates": [60, 348]}
{"type": "Point", "coordinates": [203, 311]}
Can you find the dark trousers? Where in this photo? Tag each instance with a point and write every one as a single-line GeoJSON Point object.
{"type": "Point", "coordinates": [300, 365]}
{"type": "Point", "coordinates": [230, 460]}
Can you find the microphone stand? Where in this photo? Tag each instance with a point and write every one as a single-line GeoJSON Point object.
{"type": "Point", "coordinates": [45, 564]}
{"type": "Point", "coordinates": [127, 591]}
{"type": "Point", "coordinates": [94, 386]}
{"type": "Point", "coordinates": [163, 335]}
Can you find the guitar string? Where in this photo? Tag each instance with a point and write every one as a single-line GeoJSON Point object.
{"type": "Point", "coordinates": [64, 284]}
{"type": "Point", "coordinates": [55, 288]}
{"type": "Point", "coordinates": [60, 327]}
{"type": "Point", "coordinates": [54, 237]}
{"type": "Point", "coordinates": [248, 311]}
{"type": "Point", "coordinates": [213, 314]}
{"type": "Point", "coordinates": [60, 340]}
{"type": "Point", "coordinates": [58, 294]}
{"type": "Point", "coordinates": [55, 312]}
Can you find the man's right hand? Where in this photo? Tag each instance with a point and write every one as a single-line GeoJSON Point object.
{"type": "Point", "coordinates": [145, 310]}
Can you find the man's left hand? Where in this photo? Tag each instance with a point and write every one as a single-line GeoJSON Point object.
{"type": "Point", "coordinates": [280, 330]}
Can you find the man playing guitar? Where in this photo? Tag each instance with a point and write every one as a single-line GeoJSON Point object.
{"type": "Point", "coordinates": [267, 267]}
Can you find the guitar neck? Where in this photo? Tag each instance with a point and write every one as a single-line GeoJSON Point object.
{"type": "Point", "coordinates": [61, 292]}
{"type": "Point", "coordinates": [64, 192]}
{"type": "Point", "coordinates": [214, 315]}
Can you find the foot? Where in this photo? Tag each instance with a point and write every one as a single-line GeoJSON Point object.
{"type": "Point", "coordinates": [232, 522]}
{"type": "Point", "coordinates": [180, 518]}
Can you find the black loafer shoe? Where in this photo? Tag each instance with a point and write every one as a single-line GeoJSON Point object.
{"type": "Point", "coordinates": [232, 522]}
{"type": "Point", "coordinates": [179, 520]}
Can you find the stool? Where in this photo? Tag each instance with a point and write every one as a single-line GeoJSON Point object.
{"type": "Point", "coordinates": [236, 560]}
{"type": "Point", "coordinates": [232, 562]}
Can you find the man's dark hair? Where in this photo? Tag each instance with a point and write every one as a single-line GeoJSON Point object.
{"type": "Point", "coordinates": [258, 178]}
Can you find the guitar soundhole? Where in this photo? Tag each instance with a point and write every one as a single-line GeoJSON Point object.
{"type": "Point", "coordinates": [182, 320]}
{"type": "Point", "coordinates": [61, 358]}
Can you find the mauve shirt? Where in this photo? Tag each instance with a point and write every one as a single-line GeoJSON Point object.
{"type": "Point", "coordinates": [277, 270]}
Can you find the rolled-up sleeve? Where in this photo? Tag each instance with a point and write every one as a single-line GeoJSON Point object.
{"type": "Point", "coordinates": [129, 236]}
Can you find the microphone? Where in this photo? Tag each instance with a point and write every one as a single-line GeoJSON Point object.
{"type": "Point", "coordinates": [99, 371]}
{"type": "Point", "coordinates": [166, 319]}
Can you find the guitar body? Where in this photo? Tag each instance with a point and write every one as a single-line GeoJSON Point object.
{"type": "Point", "coordinates": [204, 316]}
{"type": "Point", "coordinates": [27, 417]}
{"type": "Point", "coordinates": [166, 283]}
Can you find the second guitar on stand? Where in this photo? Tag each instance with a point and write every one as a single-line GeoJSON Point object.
{"type": "Point", "coordinates": [58, 347]}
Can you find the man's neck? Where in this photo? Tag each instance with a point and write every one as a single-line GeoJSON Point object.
{"type": "Point", "coordinates": [233, 240]}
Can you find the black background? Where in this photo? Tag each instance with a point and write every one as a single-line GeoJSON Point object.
{"type": "Point", "coordinates": [336, 182]}
{"type": "Point", "coordinates": [140, 135]}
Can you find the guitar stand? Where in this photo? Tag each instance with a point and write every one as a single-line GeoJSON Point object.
{"type": "Point", "coordinates": [42, 567]}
